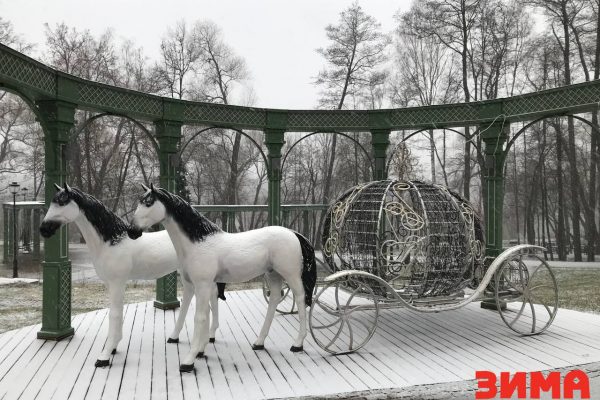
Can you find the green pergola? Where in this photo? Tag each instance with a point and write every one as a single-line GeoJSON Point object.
{"type": "Point", "coordinates": [54, 96]}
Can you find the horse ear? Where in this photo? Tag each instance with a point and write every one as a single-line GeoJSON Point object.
{"type": "Point", "coordinates": [58, 188]}
{"type": "Point", "coordinates": [152, 187]}
{"type": "Point", "coordinates": [67, 187]}
{"type": "Point", "coordinates": [146, 188]}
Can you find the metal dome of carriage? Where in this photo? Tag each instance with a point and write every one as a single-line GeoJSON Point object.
{"type": "Point", "coordinates": [421, 238]}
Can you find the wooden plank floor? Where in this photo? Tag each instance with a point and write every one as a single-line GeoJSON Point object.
{"type": "Point", "coordinates": [407, 349]}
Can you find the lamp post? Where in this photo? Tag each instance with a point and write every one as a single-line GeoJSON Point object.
{"type": "Point", "coordinates": [26, 220]}
{"type": "Point", "coordinates": [14, 189]}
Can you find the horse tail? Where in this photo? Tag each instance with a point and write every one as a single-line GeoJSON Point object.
{"type": "Point", "coordinates": [309, 268]}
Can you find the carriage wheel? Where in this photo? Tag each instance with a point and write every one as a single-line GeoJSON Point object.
{"type": "Point", "coordinates": [344, 314]}
{"type": "Point", "coordinates": [287, 304]}
{"type": "Point", "coordinates": [527, 285]}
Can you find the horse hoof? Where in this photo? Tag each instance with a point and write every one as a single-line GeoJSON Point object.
{"type": "Point", "coordinates": [171, 340]}
{"type": "Point", "coordinates": [211, 340]}
{"type": "Point", "coordinates": [186, 368]}
{"type": "Point", "coordinates": [200, 354]}
{"type": "Point", "coordinates": [114, 351]}
{"type": "Point", "coordinates": [101, 363]}
{"type": "Point", "coordinates": [296, 349]}
{"type": "Point", "coordinates": [258, 347]}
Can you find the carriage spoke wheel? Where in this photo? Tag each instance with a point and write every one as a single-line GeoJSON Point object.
{"type": "Point", "coordinates": [528, 286]}
{"type": "Point", "coordinates": [343, 316]}
{"type": "Point", "coordinates": [287, 304]}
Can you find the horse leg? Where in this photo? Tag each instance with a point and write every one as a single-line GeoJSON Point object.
{"type": "Point", "coordinates": [188, 293]}
{"type": "Point", "coordinates": [115, 322]}
{"type": "Point", "coordinates": [295, 284]}
{"type": "Point", "coordinates": [214, 317]}
{"type": "Point", "coordinates": [275, 282]}
{"type": "Point", "coordinates": [203, 293]}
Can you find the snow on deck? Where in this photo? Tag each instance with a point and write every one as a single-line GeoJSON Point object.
{"type": "Point", "coordinates": [407, 349]}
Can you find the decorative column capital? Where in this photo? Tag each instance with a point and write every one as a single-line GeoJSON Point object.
{"type": "Point", "coordinates": [274, 140]}
{"type": "Point", "coordinates": [168, 135]}
{"type": "Point", "coordinates": [57, 117]}
{"type": "Point", "coordinates": [380, 140]}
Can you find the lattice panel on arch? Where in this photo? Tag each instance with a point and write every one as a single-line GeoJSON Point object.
{"type": "Point", "coordinates": [97, 95]}
{"type": "Point", "coordinates": [328, 120]}
{"type": "Point", "coordinates": [559, 99]}
{"type": "Point", "coordinates": [217, 114]}
{"type": "Point", "coordinates": [64, 300]}
{"type": "Point", "coordinates": [27, 72]}
{"type": "Point", "coordinates": [428, 116]}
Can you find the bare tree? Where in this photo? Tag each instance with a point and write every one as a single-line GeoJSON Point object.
{"type": "Point", "coordinates": [356, 52]}
{"type": "Point", "coordinates": [425, 76]}
{"type": "Point", "coordinates": [180, 55]}
{"type": "Point", "coordinates": [452, 23]}
{"type": "Point", "coordinates": [222, 71]}
{"type": "Point", "coordinates": [562, 15]}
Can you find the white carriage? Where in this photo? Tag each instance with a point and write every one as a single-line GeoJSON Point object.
{"type": "Point", "coordinates": [421, 246]}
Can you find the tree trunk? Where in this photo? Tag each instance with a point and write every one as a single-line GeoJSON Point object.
{"type": "Point", "coordinates": [465, 73]}
{"type": "Point", "coordinates": [594, 246]}
{"type": "Point", "coordinates": [574, 184]}
{"type": "Point", "coordinates": [560, 226]}
{"type": "Point", "coordinates": [432, 155]}
{"type": "Point", "coordinates": [571, 155]}
{"type": "Point", "coordinates": [233, 174]}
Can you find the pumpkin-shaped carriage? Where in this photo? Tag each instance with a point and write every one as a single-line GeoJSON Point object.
{"type": "Point", "coordinates": [419, 245]}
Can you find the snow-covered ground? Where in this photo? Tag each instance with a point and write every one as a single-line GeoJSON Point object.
{"type": "Point", "coordinates": [574, 264]}
{"type": "Point", "coordinates": [8, 281]}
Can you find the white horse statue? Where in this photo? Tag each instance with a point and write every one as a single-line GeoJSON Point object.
{"type": "Point", "coordinates": [207, 255]}
{"type": "Point", "coordinates": [117, 258]}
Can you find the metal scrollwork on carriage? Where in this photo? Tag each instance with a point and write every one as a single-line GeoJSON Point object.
{"type": "Point", "coordinates": [417, 245]}
{"type": "Point", "coordinates": [423, 239]}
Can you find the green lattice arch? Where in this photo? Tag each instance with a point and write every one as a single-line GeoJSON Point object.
{"type": "Point", "coordinates": [57, 95]}
{"type": "Point", "coordinates": [100, 95]}
{"type": "Point", "coordinates": [353, 120]}
{"type": "Point", "coordinates": [26, 72]}
{"type": "Point", "coordinates": [217, 114]}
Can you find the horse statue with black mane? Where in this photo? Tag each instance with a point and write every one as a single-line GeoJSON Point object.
{"type": "Point", "coordinates": [120, 253]}
{"type": "Point", "coordinates": [207, 255]}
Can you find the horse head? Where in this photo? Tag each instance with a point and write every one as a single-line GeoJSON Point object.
{"type": "Point", "coordinates": [158, 204]}
{"type": "Point", "coordinates": [63, 209]}
{"type": "Point", "coordinates": [150, 209]}
{"type": "Point", "coordinates": [69, 204]}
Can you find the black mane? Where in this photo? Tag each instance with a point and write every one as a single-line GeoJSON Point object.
{"type": "Point", "coordinates": [108, 225]}
{"type": "Point", "coordinates": [196, 226]}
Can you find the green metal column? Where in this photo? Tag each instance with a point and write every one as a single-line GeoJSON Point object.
{"type": "Point", "coordinates": [380, 140]}
{"type": "Point", "coordinates": [57, 119]}
{"type": "Point", "coordinates": [274, 140]}
{"type": "Point", "coordinates": [494, 137]}
{"type": "Point", "coordinates": [168, 134]}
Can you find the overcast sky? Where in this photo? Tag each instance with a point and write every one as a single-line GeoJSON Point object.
{"type": "Point", "coordinates": [277, 38]}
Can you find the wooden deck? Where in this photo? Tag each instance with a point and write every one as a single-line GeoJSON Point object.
{"type": "Point", "coordinates": [407, 349]}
